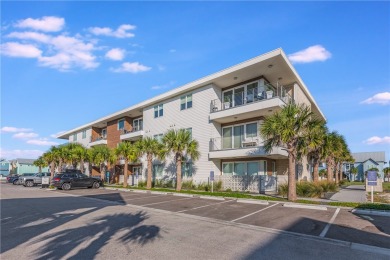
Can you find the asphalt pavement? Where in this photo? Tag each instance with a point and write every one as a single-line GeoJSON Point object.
{"type": "Point", "coordinates": [352, 193]}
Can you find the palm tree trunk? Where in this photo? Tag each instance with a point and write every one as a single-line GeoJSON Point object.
{"type": "Point", "coordinates": [149, 178]}
{"type": "Point", "coordinates": [40, 169]}
{"type": "Point", "coordinates": [316, 164]}
{"type": "Point", "coordinates": [336, 173]}
{"type": "Point", "coordinates": [329, 170]}
{"type": "Point", "coordinates": [125, 176]}
{"type": "Point", "coordinates": [178, 172]}
{"type": "Point", "coordinates": [340, 171]}
{"type": "Point", "coordinates": [102, 172]}
{"type": "Point", "coordinates": [292, 192]}
{"type": "Point", "coordinates": [82, 165]}
{"type": "Point", "coordinates": [52, 166]}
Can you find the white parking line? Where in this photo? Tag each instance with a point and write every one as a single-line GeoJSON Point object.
{"type": "Point", "coordinates": [146, 197]}
{"type": "Point", "coordinates": [255, 212]}
{"type": "Point", "coordinates": [205, 206]}
{"type": "Point", "coordinates": [164, 202]}
{"type": "Point", "coordinates": [323, 233]}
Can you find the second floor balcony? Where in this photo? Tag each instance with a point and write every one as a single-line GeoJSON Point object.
{"type": "Point", "coordinates": [246, 103]}
{"type": "Point", "coordinates": [99, 140]}
{"type": "Point", "coordinates": [132, 135]}
{"type": "Point", "coordinates": [239, 147]}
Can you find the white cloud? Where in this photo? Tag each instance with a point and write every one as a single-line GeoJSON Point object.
{"type": "Point", "coordinates": [380, 98]}
{"type": "Point", "coordinates": [120, 32]}
{"type": "Point", "coordinates": [46, 24]}
{"type": "Point", "coordinates": [115, 54]}
{"type": "Point", "coordinates": [41, 142]}
{"type": "Point", "coordinates": [13, 154]}
{"type": "Point", "coordinates": [23, 135]}
{"type": "Point", "coordinates": [11, 129]}
{"type": "Point", "coordinates": [14, 49]}
{"type": "Point", "coordinates": [71, 52]}
{"type": "Point", "coordinates": [378, 140]}
{"type": "Point", "coordinates": [133, 67]}
{"type": "Point", "coordinates": [39, 37]}
{"type": "Point", "coordinates": [311, 54]}
{"type": "Point", "coordinates": [57, 134]}
{"type": "Point", "coordinates": [172, 50]}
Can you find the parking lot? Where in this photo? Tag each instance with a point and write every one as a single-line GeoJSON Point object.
{"type": "Point", "coordinates": [328, 222]}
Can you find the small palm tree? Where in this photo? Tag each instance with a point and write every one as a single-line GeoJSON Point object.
{"type": "Point", "coordinates": [354, 171]}
{"type": "Point", "coordinates": [180, 144]}
{"type": "Point", "coordinates": [329, 153]}
{"type": "Point", "coordinates": [102, 155]}
{"type": "Point", "coordinates": [50, 157]}
{"type": "Point", "coordinates": [130, 153]}
{"type": "Point", "coordinates": [40, 162]}
{"type": "Point", "coordinates": [151, 148]}
{"type": "Point", "coordinates": [77, 154]}
{"type": "Point", "coordinates": [313, 144]}
{"type": "Point", "coordinates": [287, 128]}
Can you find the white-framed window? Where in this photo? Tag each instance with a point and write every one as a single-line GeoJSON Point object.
{"type": "Point", "coordinates": [158, 111]}
{"type": "Point", "coordinates": [158, 137]}
{"type": "Point", "coordinates": [138, 124]}
{"type": "Point", "coordinates": [186, 102]}
{"type": "Point", "coordinates": [74, 137]}
{"type": "Point", "coordinates": [238, 136]}
{"type": "Point", "coordinates": [251, 168]}
{"type": "Point", "coordinates": [186, 169]}
{"type": "Point", "coordinates": [84, 134]}
{"type": "Point", "coordinates": [121, 124]}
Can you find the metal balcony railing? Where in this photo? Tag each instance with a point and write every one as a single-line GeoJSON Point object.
{"type": "Point", "coordinates": [220, 143]}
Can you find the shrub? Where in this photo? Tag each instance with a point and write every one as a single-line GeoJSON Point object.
{"type": "Point", "coordinates": [308, 189]}
{"type": "Point", "coordinates": [328, 186]}
{"type": "Point", "coordinates": [188, 185]}
{"type": "Point", "coordinates": [283, 190]}
{"type": "Point", "coordinates": [141, 184]}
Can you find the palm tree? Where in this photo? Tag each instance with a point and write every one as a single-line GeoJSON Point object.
{"type": "Point", "coordinates": [50, 157]}
{"type": "Point", "coordinates": [129, 152]}
{"type": "Point", "coordinates": [386, 172]}
{"type": "Point", "coordinates": [329, 152]}
{"type": "Point", "coordinates": [151, 148]}
{"type": "Point", "coordinates": [76, 153]}
{"type": "Point", "coordinates": [181, 145]}
{"type": "Point", "coordinates": [287, 128]}
{"type": "Point", "coordinates": [62, 155]}
{"type": "Point", "coordinates": [40, 162]}
{"type": "Point", "coordinates": [313, 144]}
{"type": "Point", "coordinates": [102, 155]}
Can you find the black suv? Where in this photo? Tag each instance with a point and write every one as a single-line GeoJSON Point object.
{"type": "Point", "coordinates": [69, 180]}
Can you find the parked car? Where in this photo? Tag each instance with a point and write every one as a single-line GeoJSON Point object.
{"type": "Point", "coordinates": [29, 181]}
{"type": "Point", "coordinates": [69, 180]}
{"type": "Point", "coordinates": [18, 180]}
{"type": "Point", "coordinates": [12, 177]}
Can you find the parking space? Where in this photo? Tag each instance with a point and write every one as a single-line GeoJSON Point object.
{"type": "Point", "coordinates": [333, 223]}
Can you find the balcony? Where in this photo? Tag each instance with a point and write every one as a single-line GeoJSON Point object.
{"type": "Point", "coordinates": [244, 148]}
{"type": "Point", "coordinates": [133, 135]}
{"type": "Point", "coordinates": [100, 140]}
{"type": "Point", "coordinates": [245, 105]}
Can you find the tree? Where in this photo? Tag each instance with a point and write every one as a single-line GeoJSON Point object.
{"type": "Point", "coordinates": [129, 152]}
{"type": "Point", "coordinates": [151, 148]}
{"type": "Point", "coordinates": [287, 128]}
{"type": "Point", "coordinates": [76, 153]}
{"type": "Point", "coordinates": [354, 171]}
{"type": "Point", "coordinates": [322, 173]}
{"type": "Point", "coordinates": [51, 158]}
{"type": "Point", "coordinates": [328, 153]}
{"type": "Point", "coordinates": [386, 172]}
{"type": "Point", "coordinates": [313, 144]}
{"type": "Point", "coordinates": [40, 162]}
{"type": "Point", "coordinates": [102, 156]}
{"type": "Point", "coordinates": [181, 144]}
{"type": "Point", "coordinates": [340, 155]}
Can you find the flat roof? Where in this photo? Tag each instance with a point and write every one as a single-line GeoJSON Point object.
{"type": "Point", "coordinates": [246, 70]}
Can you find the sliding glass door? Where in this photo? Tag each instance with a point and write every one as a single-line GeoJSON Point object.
{"type": "Point", "coordinates": [227, 138]}
{"type": "Point", "coordinates": [238, 136]}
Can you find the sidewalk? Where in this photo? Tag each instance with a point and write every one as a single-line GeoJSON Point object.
{"type": "Point", "coordinates": [353, 193]}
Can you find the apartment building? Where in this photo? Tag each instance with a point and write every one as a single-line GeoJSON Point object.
{"type": "Point", "coordinates": [224, 112]}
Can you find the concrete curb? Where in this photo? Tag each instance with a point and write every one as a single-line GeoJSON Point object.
{"type": "Point", "coordinates": [181, 194]}
{"type": "Point", "coordinates": [301, 206]}
{"type": "Point", "coordinates": [209, 197]}
{"type": "Point", "coordinates": [249, 201]}
{"type": "Point", "coordinates": [371, 212]}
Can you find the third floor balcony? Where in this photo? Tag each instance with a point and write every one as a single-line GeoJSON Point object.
{"type": "Point", "coordinates": [132, 135]}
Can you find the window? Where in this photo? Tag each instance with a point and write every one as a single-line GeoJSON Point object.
{"type": "Point", "coordinates": [84, 134]}
{"type": "Point", "coordinates": [190, 131]}
{"type": "Point", "coordinates": [74, 137]}
{"type": "Point", "coordinates": [245, 168]}
{"type": "Point", "coordinates": [121, 124]}
{"type": "Point", "coordinates": [104, 133]}
{"type": "Point", "coordinates": [158, 137]}
{"type": "Point", "coordinates": [158, 170]}
{"type": "Point", "coordinates": [138, 124]}
{"type": "Point", "coordinates": [186, 102]}
{"type": "Point", "coordinates": [186, 169]}
{"type": "Point", "coordinates": [238, 136]}
{"type": "Point", "coordinates": [158, 111]}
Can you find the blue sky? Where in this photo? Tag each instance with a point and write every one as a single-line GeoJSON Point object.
{"type": "Point", "coordinates": [64, 64]}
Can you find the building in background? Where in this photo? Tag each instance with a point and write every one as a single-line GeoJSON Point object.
{"type": "Point", "coordinates": [363, 162]}
{"type": "Point", "coordinates": [223, 112]}
{"type": "Point", "coordinates": [20, 166]}
{"type": "Point", "coordinates": [5, 167]}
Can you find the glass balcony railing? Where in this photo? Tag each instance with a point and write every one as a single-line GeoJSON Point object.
{"type": "Point", "coordinates": [239, 97]}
